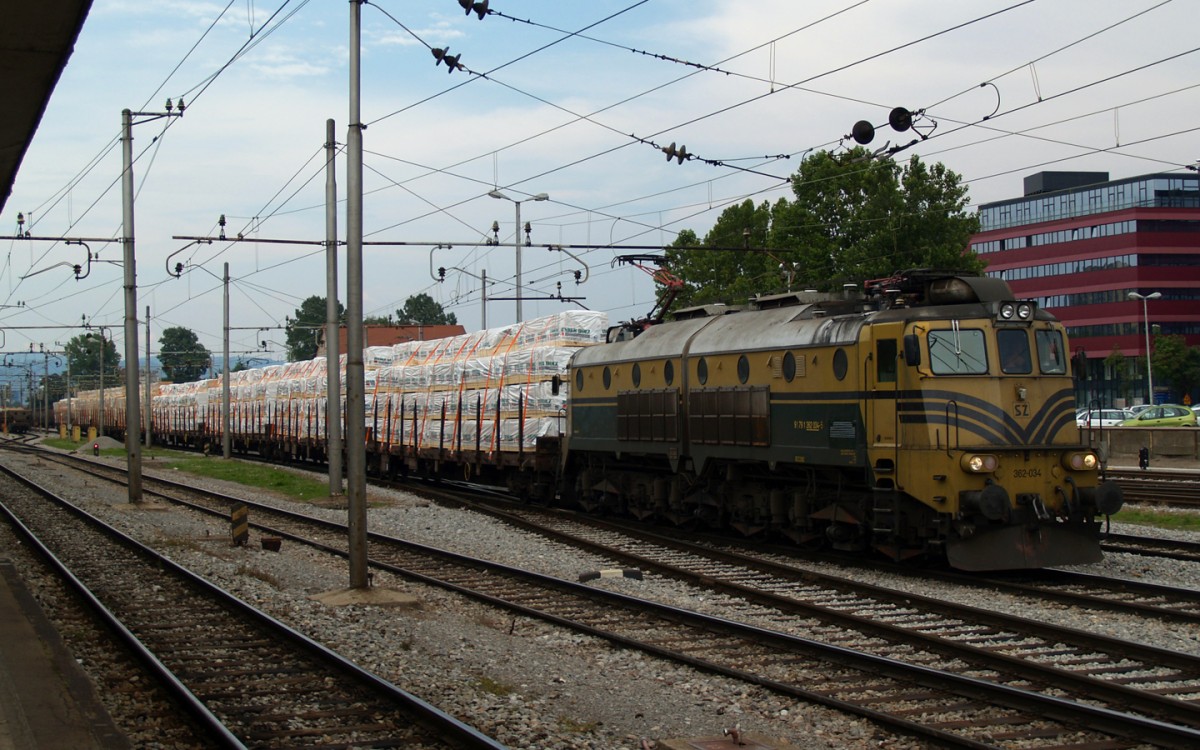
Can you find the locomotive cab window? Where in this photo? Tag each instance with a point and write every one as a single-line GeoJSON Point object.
{"type": "Point", "coordinates": [1050, 352]}
{"type": "Point", "coordinates": [957, 352]}
{"type": "Point", "coordinates": [1014, 351]}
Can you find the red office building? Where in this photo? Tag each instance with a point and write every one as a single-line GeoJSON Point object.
{"type": "Point", "coordinates": [1117, 261]}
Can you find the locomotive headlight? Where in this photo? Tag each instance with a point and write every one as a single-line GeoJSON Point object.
{"type": "Point", "coordinates": [1007, 311]}
{"type": "Point", "coordinates": [1024, 311]}
{"type": "Point", "coordinates": [1086, 461]}
{"type": "Point", "coordinates": [979, 463]}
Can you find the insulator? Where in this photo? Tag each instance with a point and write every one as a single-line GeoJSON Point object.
{"type": "Point", "coordinates": [863, 132]}
{"type": "Point", "coordinates": [900, 119]}
{"type": "Point", "coordinates": [681, 154]}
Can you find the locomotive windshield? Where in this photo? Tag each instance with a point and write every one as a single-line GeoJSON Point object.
{"type": "Point", "coordinates": [957, 352]}
{"type": "Point", "coordinates": [963, 351]}
{"type": "Point", "coordinates": [1014, 351]}
{"type": "Point", "coordinates": [1050, 352]}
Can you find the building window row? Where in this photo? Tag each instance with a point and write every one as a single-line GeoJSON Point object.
{"type": "Point", "coordinates": [1109, 296]}
{"type": "Point", "coordinates": [1062, 235]}
{"type": "Point", "coordinates": [1128, 260]}
{"type": "Point", "coordinates": [1154, 192]}
{"type": "Point", "coordinates": [1129, 329]}
{"type": "Point", "coordinates": [1066, 267]}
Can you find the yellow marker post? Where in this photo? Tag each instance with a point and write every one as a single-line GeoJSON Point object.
{"type": "Point", "coordinates": [239, 518]}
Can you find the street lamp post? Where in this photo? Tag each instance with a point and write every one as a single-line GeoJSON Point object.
{"type": "Point", "coordinates": [1146, 320]}
{"type": "Point", "coordinates": [517, 236]}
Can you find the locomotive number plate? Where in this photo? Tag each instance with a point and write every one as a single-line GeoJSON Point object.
{"type": "Point", "coordinates": [1026, 473]}
{"type": "Point", "coordinates": [808, 425]}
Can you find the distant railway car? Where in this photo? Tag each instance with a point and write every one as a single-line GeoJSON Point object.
{"type": "Point", "coordinates": [928, 416]}
{"type": "Point", "coordinates": [16, 419]}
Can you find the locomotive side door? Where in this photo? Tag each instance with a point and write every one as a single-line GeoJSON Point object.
{"type": "Point", "coordinates": [883, 433]}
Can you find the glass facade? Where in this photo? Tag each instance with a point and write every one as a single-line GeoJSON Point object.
{"type": "Point", "coordinates": [1152, 191]}
{"type": "Point", "coordinates": [1125, 260]}
{"type": "Point", "coordinates": [1109, 270]}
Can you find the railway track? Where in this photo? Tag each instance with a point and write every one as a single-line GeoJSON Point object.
{"type": "Point", "coordinates": [1173, 487]}
{"type": "Point", "coordinates": [1174, 549]}
{"type": "Point", "coordinates": [245, 677]}
{"type": "Point", "coordinates": [1006, 702]}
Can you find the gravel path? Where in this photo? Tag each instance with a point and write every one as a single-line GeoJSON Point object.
{"type": "Point", "coordinates": [532, 685]}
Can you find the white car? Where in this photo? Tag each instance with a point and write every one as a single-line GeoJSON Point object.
{"type": "Point", "coordinates": [1138, 409]}
{"type": "Point", "coordinates": [1102, 418]}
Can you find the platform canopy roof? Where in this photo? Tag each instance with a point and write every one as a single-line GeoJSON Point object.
{"type": "Point", "coordinates": [36, 40]}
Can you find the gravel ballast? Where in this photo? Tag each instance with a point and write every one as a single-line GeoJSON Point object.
{"type": "Point", "coordinates": [530, 684]}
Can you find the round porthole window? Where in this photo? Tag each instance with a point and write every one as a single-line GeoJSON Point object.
{"type": "Point", "coordinates": [669, 372]}
{"type": "Point", "coordinates": [841, 363]}
{"type": "Point", "coordinates": [743, 369]}
{"type": "Point", "coordinates": [789, 367]}
{"type": "Point", "coordinates": [637, 374]}
{"type": "Point", "coordinates": [579, 380]}
{"type": "Point", "coordinates": [607, 378]}
{"type": "Point", "coordinates": [702, 370]}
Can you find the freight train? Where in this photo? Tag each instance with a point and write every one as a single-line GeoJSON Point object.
{"type": "Point", "coordinates": [925, 416]}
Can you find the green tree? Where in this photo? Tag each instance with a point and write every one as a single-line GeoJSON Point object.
{"type": "Point", "coordinates": [421, 309]}
{"type": "Point", "coordinates": [304, 329]}
{"type": "Point", "coordinates": [1176, 364]}
{"type": "Point", "coordinates": [183, 358]}
{"type": "Point", "coordinates": [83, 351]}
{"type": "Point", "coordinates": [852, 218]}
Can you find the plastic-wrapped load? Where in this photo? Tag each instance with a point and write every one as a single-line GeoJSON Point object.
{"type": "Point", "coordinates": [570, 328]}
{"type": "Point", "coordinates": [375, 357]}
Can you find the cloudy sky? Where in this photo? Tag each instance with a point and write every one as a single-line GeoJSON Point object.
{"type": "Point", "coordinates": [562, 97]}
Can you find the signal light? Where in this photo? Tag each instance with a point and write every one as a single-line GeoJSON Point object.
{"type": "Point", "coordinates": [681, 154]}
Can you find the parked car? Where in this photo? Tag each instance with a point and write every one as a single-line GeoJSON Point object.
{"type": "Point", "coordinates": [1163, 415]}
{"type": "Point", "coordinates": [1101, 418]}
{"type": "Point", "coordinates": [1138, 409]}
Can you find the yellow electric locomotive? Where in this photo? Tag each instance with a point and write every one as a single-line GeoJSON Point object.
{"type": "Point", "coordinates": [932, 416]}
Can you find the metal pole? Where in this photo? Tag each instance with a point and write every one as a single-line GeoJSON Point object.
{"type": "Point", "coordinates": [68, 358]}
{"type": "Point", "coordinates": [46, 392]}
{"type": "Point", "coordinates": [333, 387]}
{"type": "Point", "coordinates": [100, 418]}
{"type": "Point", "coordinates": [149, 370]}
{"type": "Point", "coordinates": [1149, 369]}
{"type": "Point", "coordinates": [356, 459]}
{"type": "Point", "coordinates": [133, 420]}
{"type": "Point", "coordinates": [517, 242]}
{"type": "Point", "coordinates": [483, 288]}
{"type": "Point", "coordinates": [1145, 298]}
{"type": "Point", "coordinates": [226, 433]}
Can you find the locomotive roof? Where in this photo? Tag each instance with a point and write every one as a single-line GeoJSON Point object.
{"type": "Point", "coordinates": [783, 327]}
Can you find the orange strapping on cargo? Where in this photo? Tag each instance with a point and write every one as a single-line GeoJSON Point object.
{"type": "Point", "coordinates": [494, 443]}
